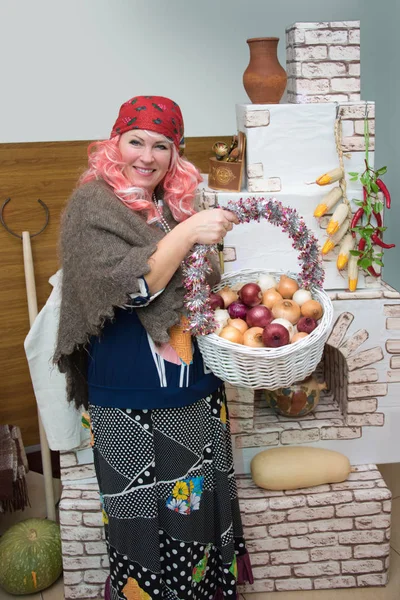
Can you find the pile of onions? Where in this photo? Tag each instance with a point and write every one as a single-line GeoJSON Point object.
{"type": "Point", "coordinates": [266, 313]}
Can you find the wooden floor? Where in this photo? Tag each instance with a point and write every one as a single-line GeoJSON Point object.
{"type": "Point", "coordinates": [391, 474]}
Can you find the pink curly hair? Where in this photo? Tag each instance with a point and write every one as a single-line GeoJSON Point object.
{"type": "Point", "coordinates": [179, 184]}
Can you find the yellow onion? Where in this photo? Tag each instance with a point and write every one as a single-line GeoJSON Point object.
{"type": "Point", "coordinates": [286, 309]}
{"type": "Point", "coordinates": [287, 286]}
{"type": "Point", "coordinates": [312, 309]}
{"type": "Point", "coordinates": [232, 334]}
{"type": "Point", "coordinates": [227, 295]}
{"type": "Point", "coordinates": [270, 297]}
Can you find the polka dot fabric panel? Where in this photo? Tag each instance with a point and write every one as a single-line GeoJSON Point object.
{"type": "Point", "coordinates": [171, 510]}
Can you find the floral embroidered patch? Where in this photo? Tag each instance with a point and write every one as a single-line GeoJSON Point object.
{"type": "Point", "coordinates": [199, 570]}
{"type": "Point", "coordinates": [186, 495]}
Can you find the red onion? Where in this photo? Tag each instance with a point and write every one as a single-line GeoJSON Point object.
{"type": "Point", "coordinates": [250, 294]}
{"type": "Point", "coordinates": [237, 310]}
{"type": "Point", "coordinates": [258, 316]}
{"type": "Point", "coordinates": [216, 301]}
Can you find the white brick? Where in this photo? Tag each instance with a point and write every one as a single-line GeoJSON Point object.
{"type": "Point", "coordinates": [371, 550]}
{"type": "Point", "coordinates": [257, 441]}
{"type": "Point", "coordinates": [362, 406]}
{"type": "Point", "coordinates": [300, 436]}
{"type": "Point", "coordinates": [266, 585]}
{"type": "Point", "coordinates": [72, 548]}
{"type": "Point", "coordinates": [72, 577]}
{"type": "Point", "coordinates": [255, 533]}
{"type": "Point", "coordinates": [364, 390]}
{"type": "Point", "coordinates": [270, 572]}
{"type": "Point", "coordinates": [326, 37]}
{"type": "Point", "coordinates": [229, 254]}
{"type": "Point", "coordinates": [361, 537]}
{"type": "Point", "coordinates": [287, 585]}
{"type": "Point", "coordinates": [358, 509]}
{"type": "Point", "coordinates": [347, 24]}
{"type": "Point", "coordinates": [361, 566]}
{"type": "Point", "coordinates": [260, 558]}
{"type": "Point", "coordinates": [330, 525]}
{"type": "Point", "coordinates": [334, 583]}
{"type": "Point", "coordinates": [69, 517]}
{"type": "Point", "coordinates": [354, 69]}
{"type": "Point", "coordinates": [359, 127]}
{"type": "Point", "coordinates": [354, 36]}
{"type": "Point", "coordinates": [93, 519]}
{"type": "Point", "coordinates": [96, 547]}
{"type": "Point", "coordinates": [287, 502]}
{"type": "Point", "coordinates": [373, 522]}
{"type": "Point", "coordinates": [289, 558]}
{"type": "Point", "coordinates": [345, 84]}
{"type": "Point", "coordinates": [272, 184]}
{"type": "Point", "coordinates": [308, 514]}
{"type": "Point", "coordinates": [332, 553]}
{"type": "Point", "coordinates": [81, 533]}
{"type": "Point", "coordinates": [322, 69]}
{"type": "Point", "coordinates": [312, 86]}
{"type": "Point", "coordinates": [375, 494]}
{"type": "Point", "coordinates": [256, 118]}
{"type": "Point", "coordinates": [267, 545]}
{"type": "Point", "coordinates": [255, 170]}
{"type": "Point", "coordinates": [340, 433]}
{"type": "Point", "coordinates": [82, 591]}
{"type": "Point", "coordinates": [344, 52]}
{"type": "Point", "coordinates": [328, 499]}
{"type": "Point", "coordinates": [268, 518]}
{"type": "Point", "coordinates": [363, 376]}
{"type": "Point", "coordinates": [78, 472]}
{"type": "Point", "coordinates": [373, 580]}
{"type": "Point", "coordinates": [105, 562]}
{"type": "Point", "coordinates": [67, 493]}
{"type": "Point", "coordinates": [356, 144]}
{"type": "Point", "coordinates": [313, 540]}
{"type": "Point", "coordinates": [67, 459]}
{"type": "Point", "coordinates": [82, 563]}
{"type": "Point", "coordinates": [376, 419]}
{"type": "Point", "coordinates": [357, 111]}
{"type": "Point", "coordinates": [318, 489]}
{"type": "Point", "coordinates": [96, 576]}
{"type": "Point", "coordinates": [287, 529]}
{"type": "Point", "coordinates": [90, 495]}
{"type": "Point", "coordinates": [310, 53]}
{"type": "Point", "coordinates": [78, 504]}
{"type": "Point", "coordinates": [351, 485]}
{"type": "Point", "coordinates": [315, 569]}
{"type": "Point", "coordinates": [254, 506]}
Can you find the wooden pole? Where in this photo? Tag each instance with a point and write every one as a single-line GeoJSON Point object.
{"type": "Point", "coordinates": [33, 311]}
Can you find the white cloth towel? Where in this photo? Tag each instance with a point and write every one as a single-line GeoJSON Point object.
{"type": "Point", "coordinates": [61, 420]}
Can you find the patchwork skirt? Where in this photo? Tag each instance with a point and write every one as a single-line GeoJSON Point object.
{"type": "Point", "coordinates": [170, 504]}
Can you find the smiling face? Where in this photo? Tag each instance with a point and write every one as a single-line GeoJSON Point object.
{"type": "Point", "coordinates": [147, 157]}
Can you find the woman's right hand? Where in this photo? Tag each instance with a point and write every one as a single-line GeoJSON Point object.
{"type": "Point", "coordinates": [210, 226]}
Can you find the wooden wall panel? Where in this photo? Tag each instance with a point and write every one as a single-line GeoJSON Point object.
{"type": "Point", "coordinates": [49, 171]}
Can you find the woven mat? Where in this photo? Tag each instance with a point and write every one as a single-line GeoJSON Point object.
{"type": "Point", "coordinates": [13, 469]}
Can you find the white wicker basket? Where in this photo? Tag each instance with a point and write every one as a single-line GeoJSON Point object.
{"type": "Point", "coordinates": [268, 368]}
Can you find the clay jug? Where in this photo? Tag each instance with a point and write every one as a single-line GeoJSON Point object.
{"type": "Point", "coordinates": [264, 79]}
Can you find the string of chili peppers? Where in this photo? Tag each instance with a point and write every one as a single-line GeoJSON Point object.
{"type": "Point", "coordinates": [372, 185]}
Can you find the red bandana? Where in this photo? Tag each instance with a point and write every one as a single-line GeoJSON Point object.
{"type": "Point", "coordinates": [154, 113]}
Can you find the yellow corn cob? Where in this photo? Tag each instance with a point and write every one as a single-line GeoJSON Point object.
{"type": "Point", "coordinates": [332, 241]}
{"type": "Point", "coordinates": [353, 273]}
{"type": "Point", "coordinates": [337, 219]}
{"type": "Point", "coordinates": [344, 252]}
{"type": "Point", "coordinates": [328, 201]}
{"type": "Point", "coordinates": [330, 177]}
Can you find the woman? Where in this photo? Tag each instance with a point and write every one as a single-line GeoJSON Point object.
{"type": "Point", "coordinates": [159, 420]}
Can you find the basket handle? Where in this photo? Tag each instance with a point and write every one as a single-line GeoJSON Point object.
{"type": "Point", "coordinates": [197, 266]}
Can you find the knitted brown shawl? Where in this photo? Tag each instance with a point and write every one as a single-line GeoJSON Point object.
{"type": "Point", "coordinates": [105, 247]}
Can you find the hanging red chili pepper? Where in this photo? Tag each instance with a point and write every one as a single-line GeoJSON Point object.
{"type": "Point", "coordinates": [361, 244]}
{"type": "Point", "coordinates": [385, 192]}
{"type": "Point", "coordinates": [372, 272]}
{"type": "Point", "coordinates": [377, 240]}
{"type": "Point", "coordinates": [378, 218]}
{"type": "Point", "coordinates": [356, 217]}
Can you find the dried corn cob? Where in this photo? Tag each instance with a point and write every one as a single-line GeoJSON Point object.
{"type": "Point", "coordinates": [328, 201]}
{"type": "Point", "coordinates": [338, 217]}
{"type": "Point", "coordinates": [344, 252]}
{"type": "Point", "coordinates": [332, 241]}
{"type": "Point", "coordinates": [353, 273]}
{"type": "Point", "coordinates": [330, 177]}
